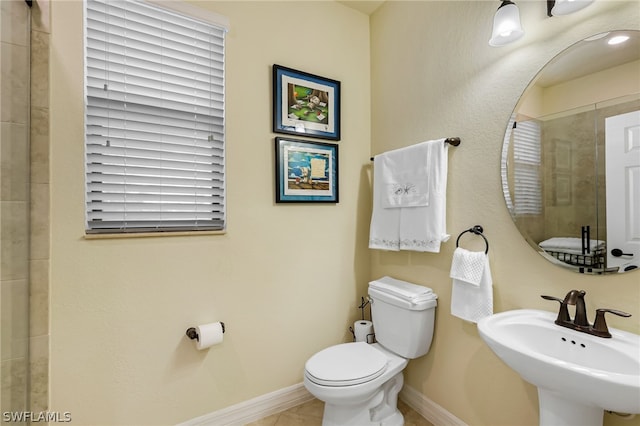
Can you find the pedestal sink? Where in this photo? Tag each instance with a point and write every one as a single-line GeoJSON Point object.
{"type": "Point", "coordinates": [578, 375]}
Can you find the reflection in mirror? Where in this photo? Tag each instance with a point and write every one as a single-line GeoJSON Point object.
{"type": "Point", "coordinates": [571, 157]}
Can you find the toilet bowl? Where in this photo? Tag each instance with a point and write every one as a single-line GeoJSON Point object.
{"type": "Point", "coordinates": [360, 385]}
{"type": "Point", "coordinates": [359, 382]}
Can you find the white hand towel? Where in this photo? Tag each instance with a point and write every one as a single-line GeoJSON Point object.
{"type": "Point", "coordinates": [418, 228]}
{"type": "Point", "coordinates": [473, 302]}
{"type": "Point", "coordinates": [468, 266]}
{"type": "Point", "coordinates": [384, 233]}
{"type": "Point", "coordinates": [408, 190]}
{"type": "Point", "coordinates": [405, 177]}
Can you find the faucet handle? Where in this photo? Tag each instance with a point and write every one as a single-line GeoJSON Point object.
{"type": "Point", "coordinates": [557, 299]}
{"type": "Point", "coordinates": [563, 313]}
{"type": "Point", "coordinates": [600, 324]}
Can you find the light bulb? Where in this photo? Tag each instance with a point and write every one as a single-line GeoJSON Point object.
{"type": "Point", "coordinates": [617, 39]}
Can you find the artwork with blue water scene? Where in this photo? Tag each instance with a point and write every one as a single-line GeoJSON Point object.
{"type": "Point", "coordinates": [306, 171]}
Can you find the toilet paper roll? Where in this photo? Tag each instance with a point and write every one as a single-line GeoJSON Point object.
{"type": "Point", "coordinates": [209, 335]}
{"type": "Point", "coordinates": [363, 330]}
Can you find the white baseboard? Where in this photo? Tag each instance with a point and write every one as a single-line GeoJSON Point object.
{"type": "Point", "coordinates": [427, 408]}
{"type": "Point", "coordinates": [254, 409]}
{"type": "Point", "coordinates": [292, 396]}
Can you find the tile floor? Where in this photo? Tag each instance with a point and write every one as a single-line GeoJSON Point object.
{"type": "Point", "coordinates": [310, 414]}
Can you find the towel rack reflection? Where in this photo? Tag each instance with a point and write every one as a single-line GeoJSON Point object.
{"type": "Point", "coordinates": [451, 141]}
{"type": "Point", "coordinates": [478, 230]}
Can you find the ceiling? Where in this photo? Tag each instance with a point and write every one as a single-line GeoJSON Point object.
{"type": "Point", "coordinates": [590, 56]}
{"type": "Point", "coordinates": [365, 6]}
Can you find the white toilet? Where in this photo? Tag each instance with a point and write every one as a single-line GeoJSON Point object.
{"type": "Point", "coordinates": [359, 382]}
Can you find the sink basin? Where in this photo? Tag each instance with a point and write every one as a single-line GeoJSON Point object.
{"type": "Point", "coordinates": [578, 375]}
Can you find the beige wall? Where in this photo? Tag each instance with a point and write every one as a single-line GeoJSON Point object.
{"type": "Point", "coordinates": [618, 81]}
{"type": "Point", "coordinates": [433, 75]}
{"type": "Point", "coordinates": [286, 279]}
{"type": "Point", "coordinates": [602, 86]}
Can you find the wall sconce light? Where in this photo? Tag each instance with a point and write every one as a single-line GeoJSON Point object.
{"type": "Point", "coordinates": [506, 25]}
{"type": "Point", "coordinates": [565, 7]}
{"type": "Point", "coordinates": [506, 21]}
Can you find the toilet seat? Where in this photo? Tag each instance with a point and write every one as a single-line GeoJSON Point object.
{"type": "Point", "coordinates": [346, 364]}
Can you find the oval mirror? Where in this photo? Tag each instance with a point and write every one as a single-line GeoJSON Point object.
{"type": "Point", "coordinates": [571, 157]}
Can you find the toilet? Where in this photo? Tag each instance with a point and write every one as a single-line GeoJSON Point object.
{"type": "Point", "coordinates": [359, 382]}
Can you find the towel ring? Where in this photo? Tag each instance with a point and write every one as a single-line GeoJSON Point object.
{"type": "Point", "coordinates": [478, 231]}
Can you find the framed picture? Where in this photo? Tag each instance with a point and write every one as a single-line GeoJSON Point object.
{"type": "Point", "coordinates": [306, 171]}
{"type": "Point", "coordinates": [305, 104]}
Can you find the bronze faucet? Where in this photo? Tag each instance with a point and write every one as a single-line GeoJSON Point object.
{"type": "Point", "coordinates": [580, 321]}
{"type": "Point", "coordinates": [575, 297]}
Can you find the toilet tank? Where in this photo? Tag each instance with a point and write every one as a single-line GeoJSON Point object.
{"type": "Point", "coordinates": [402, 324]}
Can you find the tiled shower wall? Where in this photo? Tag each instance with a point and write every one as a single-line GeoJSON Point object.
{"type": "Point", "coordinates": [24, 206]}
{"type": "Point", "coordinates": [39, 217]}
{"type": "Point", "coordinates": [14, 205]}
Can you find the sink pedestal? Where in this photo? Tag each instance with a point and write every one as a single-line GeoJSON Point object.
{"type": "Point", "coordinates": [556, 410]}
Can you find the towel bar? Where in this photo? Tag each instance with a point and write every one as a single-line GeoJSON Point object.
{"type": "Point", "coordinates": [455, 141]}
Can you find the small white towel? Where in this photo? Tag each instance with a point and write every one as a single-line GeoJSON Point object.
{"type": "Point", "coordinates": [468, 266]}
{"type": "Point", "coordinates": [416, 220]}
{"type": "Point", "coordinates": [469, 301]}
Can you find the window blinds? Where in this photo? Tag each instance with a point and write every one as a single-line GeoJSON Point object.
{"type": "Point", "coordinates": [526, 152]}
{"type": "Point", "coordinates": [154, 120]}
{"type": "Point", "coordinates": [504, 161]}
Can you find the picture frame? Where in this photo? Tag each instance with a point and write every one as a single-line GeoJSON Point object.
{"type": "Point", "coordinates": [305, 104]}
{"type": "Point", "coordinates": [306, 171]}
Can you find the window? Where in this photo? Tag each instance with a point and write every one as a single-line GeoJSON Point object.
{"type": "Point", "coordinates": [154, 123]}
{"type": "Point", "coordinates": [527, 198]}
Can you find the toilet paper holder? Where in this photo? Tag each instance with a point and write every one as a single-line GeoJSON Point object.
{"type": "Point", "coordinates": [363, 304]}
{"type": "Point", "coordinates": [369, 338]}
{"type": "Point", "coordinates": [193, 334]}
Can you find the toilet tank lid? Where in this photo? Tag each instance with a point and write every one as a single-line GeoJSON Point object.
{"type": "Point", "coordinates": [402, 293]}
{"type": "Point", "coordinates": [402, 289]}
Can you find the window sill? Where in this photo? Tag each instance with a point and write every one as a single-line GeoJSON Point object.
{"type": "Point", "coordinates": [151, 234]}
